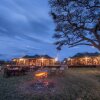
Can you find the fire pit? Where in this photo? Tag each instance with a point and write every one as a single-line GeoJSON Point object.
{"type": "Point", "coordinates": [42, 83]}
{"type": "Point", "coordinates": [41, 74]}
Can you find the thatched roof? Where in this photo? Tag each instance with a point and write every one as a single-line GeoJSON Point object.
{"type": "Point", "coordinates": [86, 54]}
{"type": "Point", "coordinates": [38, 56]}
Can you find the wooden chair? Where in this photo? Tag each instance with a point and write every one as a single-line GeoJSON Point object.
{"type": "Point", "coordinates": [61, 71]}
{"type": "Point", "coordinates": [53, 71]}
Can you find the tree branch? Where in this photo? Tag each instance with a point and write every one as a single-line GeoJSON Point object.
{"type": "Point", "coordinates": [80, 44]}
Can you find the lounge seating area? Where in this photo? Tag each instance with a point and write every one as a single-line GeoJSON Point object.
{"type": "Point", "coordinates": [19, 70]}
{"type": "Point", "coordinates": [14, 71]}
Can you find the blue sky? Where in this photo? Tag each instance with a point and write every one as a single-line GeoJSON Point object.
{"type": "Point", "coordinates": [26, 28]}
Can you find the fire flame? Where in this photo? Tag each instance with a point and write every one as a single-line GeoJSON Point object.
{"type": "Point", "coordinates": [41, 74]}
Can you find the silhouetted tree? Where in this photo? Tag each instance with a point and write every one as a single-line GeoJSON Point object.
{"type": "Point", "coordinates": [77, 22]}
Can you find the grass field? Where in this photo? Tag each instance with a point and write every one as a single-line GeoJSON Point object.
{"type": "Point", "coordinates": [77, 84]}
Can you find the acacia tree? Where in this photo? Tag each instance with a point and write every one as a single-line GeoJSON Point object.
{"type": "Point", "coordinates": [77, 22]}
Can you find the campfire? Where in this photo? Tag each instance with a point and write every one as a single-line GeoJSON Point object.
{"type": "Point", "coordinates": [41, 74]}
{"type": "Point", "coordinates": [42, 83]}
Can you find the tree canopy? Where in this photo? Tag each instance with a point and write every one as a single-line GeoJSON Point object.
{"type": "Point", "coordinates": [77, 22]}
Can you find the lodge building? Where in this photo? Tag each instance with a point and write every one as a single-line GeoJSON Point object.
{"type": "Point", "coordinates": [36, 60]}
{"type": "Point", "coordinates": [84, 60]}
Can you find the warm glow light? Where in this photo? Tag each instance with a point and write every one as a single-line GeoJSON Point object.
{"type": "Point", "coordinates": [8, 65]}
{"type": "Point", "coordinates": [56, 59]}
{"type": "Point", "coordinates": [86, 58]}
{"type": "Point", "coordinates": [14, 59]}
{"type": "Point", "coordinates": [64, 61]}
{"type": "Point", "coordinates": [21, 59]}
{"type": "Point", "coordinates": [69, 58]}
{"type": "Point", "coordinates": [41, 74]}
{"type": "Point", "coordinates": [42, 59]}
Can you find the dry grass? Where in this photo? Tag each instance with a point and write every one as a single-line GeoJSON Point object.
{"type": "Point", "coordinates": [81, 85]}
{"type": "Point", "coordinates": [77, 84]}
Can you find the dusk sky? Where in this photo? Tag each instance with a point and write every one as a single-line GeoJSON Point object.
{"type": "Point", "coordinates": [26, 28]}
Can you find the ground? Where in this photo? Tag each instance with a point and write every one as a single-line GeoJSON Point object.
{"type": "Point", "coordinates": [77, 84]}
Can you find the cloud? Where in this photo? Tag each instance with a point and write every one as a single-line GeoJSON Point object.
{"type": "Point", "coordinates": [26, 28]}
{"type": "Point", "coordinates": [20, 15]}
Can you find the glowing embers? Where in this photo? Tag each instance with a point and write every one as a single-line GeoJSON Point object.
{"type": "Point", "coordinates": [41, 74]}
